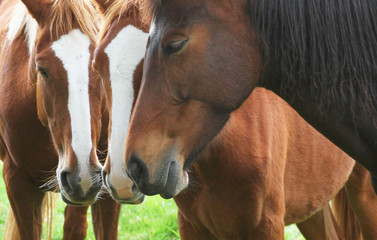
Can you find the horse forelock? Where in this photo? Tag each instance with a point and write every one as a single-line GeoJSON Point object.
{"type": "Point", "coordinates": [65, 12]}
{"type": "Point", "coordinates": [131, 8]}
{"type": "Point", "coordinates": [328, 46]}
{"type": "Point", "coordinates": [61, 18]}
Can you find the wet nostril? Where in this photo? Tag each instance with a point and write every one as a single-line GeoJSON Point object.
{"type": "Point", "coordinates": [137, 169]}
{"type": "Point", "coordinates": [66, 183]}
{"type": "Point", "coordinates": [104, 178]}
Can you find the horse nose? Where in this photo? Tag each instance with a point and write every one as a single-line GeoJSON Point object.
{"type": "Point", "coordinates": [121, 187]}
{"type": "Point", "coordinates": [138, 171]}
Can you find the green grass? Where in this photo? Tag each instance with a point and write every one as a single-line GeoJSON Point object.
{"type": "Point", "coordinates": [155, 219]}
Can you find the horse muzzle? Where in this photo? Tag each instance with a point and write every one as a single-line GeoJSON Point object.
{"type": "Point", "coordinates": [168, 179]}
{"type": "Point", "coordinates": [72, 190]}
{"type": "Point", "coordinates": [121, 188]}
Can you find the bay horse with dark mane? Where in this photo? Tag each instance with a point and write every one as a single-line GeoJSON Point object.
{"type": "Point", "coordinates": [265, 169]}
{"type": "Point", "coordinates": [50, 114]}
{"type": "Point", "coordinates": [319, 56]}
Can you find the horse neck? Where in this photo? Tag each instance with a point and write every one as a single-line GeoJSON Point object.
{"type": "Point", "coordinates": [16, 41]}
{"type": "Point", "coordinates": [247, 136]}
{"type": "Point", "coordinates": [16, 74]}
{"type": "Point", "coordinates": [212, 163]}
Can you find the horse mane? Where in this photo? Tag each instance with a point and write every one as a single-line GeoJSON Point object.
{"type": "Point", "coordinates": [65, 12]}
{"type": "Point", "coordinates": [20, 21]}
{"type": "Point", "coordinates": [61, 18]}
{"type": "Point", "coordinates": [130, 8]}
{"type": "Point", "coordinates": [328, 46]}
{"type": "Point", "coordinates": [325, 46]}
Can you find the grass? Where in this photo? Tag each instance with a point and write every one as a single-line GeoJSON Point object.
{"type": "Point", "coordinates": [155, 219]}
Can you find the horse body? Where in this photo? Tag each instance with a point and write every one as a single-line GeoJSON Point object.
{"type": "Point", "coordinates": [36, 138]}
{"type": "Point", "coordinates": [244, 185]}
{"type": "Point", "coordinates": [119, 59]}
{"type": "Point", "coordinates": [22, 127]}
{"type": "Point", "coordinates": [264, 169]}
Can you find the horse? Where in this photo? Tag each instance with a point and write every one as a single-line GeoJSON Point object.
{"type": "Point", "coordinates": [320, 57]}
{"type": "Point", "coordinates": [50, 119]}
{"type": "Point", "coordinates": [253, 178]}
{"type": "Point", "coordinates": [118, 59]}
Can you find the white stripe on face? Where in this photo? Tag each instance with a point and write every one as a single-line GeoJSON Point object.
{"type": "Point", "coordinates": [73, 50]}
{"type": "Point", "coordinates": [125, 52]}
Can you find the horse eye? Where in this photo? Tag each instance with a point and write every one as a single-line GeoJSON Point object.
{"type": "Point", "coordinates": [174, 46]}
{"type": "Point", "coordinates": [43, 72]}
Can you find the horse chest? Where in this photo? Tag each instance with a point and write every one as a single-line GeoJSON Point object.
{"type": "Point", "coordinates": [224, 215]}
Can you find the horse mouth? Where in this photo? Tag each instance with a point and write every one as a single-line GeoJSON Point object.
{"type": "Point", "coordinates": [137, 199]}
{"type": "Point", "coordinates": [78, 198]}
{"type": "Point", "coordinates": [77, 204]}
{"type": "Point", "coordinates": [175, 184]}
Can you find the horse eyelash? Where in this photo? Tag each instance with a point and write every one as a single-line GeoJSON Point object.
{"type": "Point", "coordinates": [43, 72]}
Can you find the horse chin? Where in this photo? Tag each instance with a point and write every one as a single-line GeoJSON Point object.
{"type": "Point", "coordinates": [77, 204]}
{"type": "Point", "coordinates": [79, 199]}
{"type": "Point", "coordinates": [137, 199]}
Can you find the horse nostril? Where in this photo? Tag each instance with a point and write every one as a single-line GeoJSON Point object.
{"type": "Point", "coordinates": [137, 169]}
{"type": "Point", "coordinates": [65, 179]}
{"type": "Point", "coordinates": [104, 178]}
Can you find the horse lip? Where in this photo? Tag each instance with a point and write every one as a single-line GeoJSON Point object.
{"type": "Point", "coordinates": [67, 201]}
{"type": "Point", "coordinates": [139, 198]}
{"type": "Point", "coordinates": [170, 189]}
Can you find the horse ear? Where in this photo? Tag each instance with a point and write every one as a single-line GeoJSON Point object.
{"type": "Point", "coordinates": [103, 5]}
{"type": "Point", "coordinates": [37, 8]}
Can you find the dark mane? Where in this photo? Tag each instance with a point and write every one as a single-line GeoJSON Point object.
{"type": "Point", "coordinates": [329, 46]}
{"type": "Point", "coordinates": [150, 7]}
{"type": "Point", "coordinates": [326, 46]}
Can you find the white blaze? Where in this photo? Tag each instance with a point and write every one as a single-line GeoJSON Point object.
{"type": "Point", "coordinates": [73, 50]}
{"type": "Point", "coordinates": [125, 52]}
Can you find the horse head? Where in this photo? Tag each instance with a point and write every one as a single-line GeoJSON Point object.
{"type": "Point", "coordinates": [197, 70]}
{"type": "Point", "coordinates": [119, 59]}
{"type": "Point", "coordinates": [68, 92]}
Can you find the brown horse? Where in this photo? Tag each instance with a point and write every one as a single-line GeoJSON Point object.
{"type": "Point", "coordinates": [55, 110]}
{"type": "Point", "coordinates": [205, 58]}
{"type": "Point", "coordinates": [264, 154]}
{"type": "Point", "coordinates": [118, 59]}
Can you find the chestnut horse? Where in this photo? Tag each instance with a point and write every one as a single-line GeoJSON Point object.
{"type": "Point", "coordinates": [51, 119]}
{"type": "Point", "coordinates": [207, 57]}
{"type": "Point", "coordinates": [118, 59]}
{"type": "Point", "coordinates": [265, 154]}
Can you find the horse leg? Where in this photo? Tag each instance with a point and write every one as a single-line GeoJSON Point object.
{"type": "Point", "coordinates": [105, 216]}
{"type": "Point", "coordinates": [188, 231]}
{"type": "Point", "coordinates": [321, 225]}
{"type": "Point", "coordinates": [363, 200]}
{"type": "Point", "coordinates": [75, 225]}
{"type": "Point", "coordinates": [26, 201]}
{"type": "Point", "coordinates": [313, 228]}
